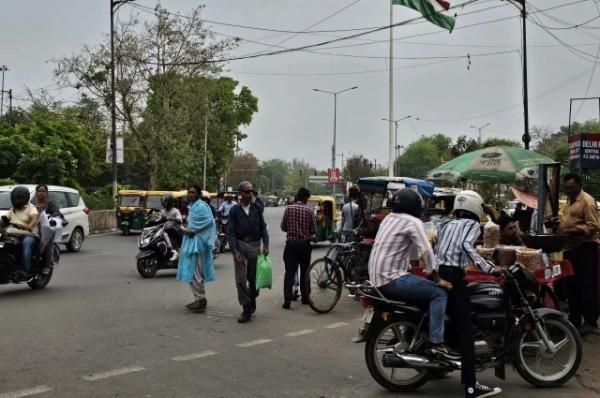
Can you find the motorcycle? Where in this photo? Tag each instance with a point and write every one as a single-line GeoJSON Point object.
{"type": "Point", "coordinates": [221, 233]}
{"type": "Point", "coordinates": [10, 250]}
{"type": "Point", "coordinates": [154, 252]}
{"type": "Point", "coordinates": [541, 344]}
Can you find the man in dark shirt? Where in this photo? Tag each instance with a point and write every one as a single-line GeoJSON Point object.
{"type": "Point", "coordinates": [299, 224]}
{"type": "Point", "coordinates": [245, 230]}
{"type": "Point", "coordinates": [509, 232]}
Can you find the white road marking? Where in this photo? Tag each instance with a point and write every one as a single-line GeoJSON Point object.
{"type": "Point", "coordinates": [104, 253]}
{"type": "Point", "coordinates": [197, 355]}
{"type": "Point", "coordinates": [254, 342]}
{"type": "Point", "coordinates": [112, 373]}
{"type": "Point", "coordinates": [26, 392]}
{"type": "Point", "coordinates": [336, 325]}
{"type": "Point", "coordinates": [300, 333]}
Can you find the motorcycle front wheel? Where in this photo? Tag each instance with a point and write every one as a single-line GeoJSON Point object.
{"type": "Point", "coordinates": [41, 280]}
{"type": "Point", "coordinates": [542, 368]}
{"type": "Point", "coordinates": [385, 339]}
{"type": "Point", "coordinates": [147, 266]}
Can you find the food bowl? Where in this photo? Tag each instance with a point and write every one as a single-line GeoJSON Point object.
{"type": "Point", "coordinates": [547, 243]}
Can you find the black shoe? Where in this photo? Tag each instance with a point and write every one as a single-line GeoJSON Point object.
{"type": "Point", "coordinates": [21, 276]}
{"type": "Point", "coordinates": [286, 305]}
{"type": "Point", "coordinates": [481, 391]}
{"type": "Point", "coordinates": [245, 317]}
{"type": "Point", "coordinates": [441, 350]}
{"type": "Point", "coordinates": [253, 306]}
{"type": "Point", "coordinates": [305, 302]}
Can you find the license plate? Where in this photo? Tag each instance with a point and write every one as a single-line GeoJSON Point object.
{"type": "Point", "coordinates": [368, 315]}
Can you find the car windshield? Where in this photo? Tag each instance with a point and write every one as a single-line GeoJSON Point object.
{"type": "Point", "coordinates": [130, 200]}
{"type": "Point", "coordinates": [5, 201]}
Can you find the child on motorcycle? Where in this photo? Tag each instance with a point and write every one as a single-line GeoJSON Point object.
{"type": "Point", "coordinates": [455, 249]}
{"type": "Point", "coordinates": [389, 266]}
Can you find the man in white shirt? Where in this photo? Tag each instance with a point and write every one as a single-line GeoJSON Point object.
{"type": "Point", "coordinates": [174, 220]}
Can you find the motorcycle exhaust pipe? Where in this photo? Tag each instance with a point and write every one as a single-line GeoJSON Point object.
{"type": "Point", "coordinates": [409, 361]}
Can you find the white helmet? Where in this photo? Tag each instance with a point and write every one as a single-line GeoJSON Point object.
{"type": "Point", "coordinates": [469, 201]}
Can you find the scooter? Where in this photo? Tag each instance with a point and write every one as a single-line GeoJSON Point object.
{"type": "Point", "coordinates": [154, 251]}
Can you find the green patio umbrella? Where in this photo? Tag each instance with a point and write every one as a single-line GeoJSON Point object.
{"type": "Point", "coordinates": [496, 164]}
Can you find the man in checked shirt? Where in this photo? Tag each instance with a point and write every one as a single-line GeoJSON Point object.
{"type": "Point", "coordinates": [299, 224]}
{"type": "Point", "coordinates": [453, 251]}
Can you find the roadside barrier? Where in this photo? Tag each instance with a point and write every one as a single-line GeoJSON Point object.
{"type": "Point", "coordinates": [102, 221]}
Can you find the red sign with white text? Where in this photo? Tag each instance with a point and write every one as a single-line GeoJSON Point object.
{"type": "Point", "coordinates": [333, 176]}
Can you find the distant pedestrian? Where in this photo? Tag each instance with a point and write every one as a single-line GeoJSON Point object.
{"type": "Point", "coordinates": [195, 259]}
{"type": "Point", "coordinates": [351, 212]}
{"type": "Point", "coordinates": [299, 224]}
{"type": "Point", "coordinates": [245, 231]}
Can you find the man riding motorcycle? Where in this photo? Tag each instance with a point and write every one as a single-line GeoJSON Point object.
{"type": "Point", "coordinates": [172, 231]}
{"type": "Point", "coordinates": [24, 219]}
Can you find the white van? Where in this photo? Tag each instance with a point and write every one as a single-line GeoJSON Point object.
{"type": "Point", "coordinates": [71, 205]}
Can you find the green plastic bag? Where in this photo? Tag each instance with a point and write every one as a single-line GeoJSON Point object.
{"type": "Point", "coordinates": [264, 275]}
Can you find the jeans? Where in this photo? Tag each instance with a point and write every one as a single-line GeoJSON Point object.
{"type": "Point", "coordinates": [414, 288]}
{"type": "Point", "coordinates": [28, 244]}
{"type": "Point", "coordinates": [296, 254]}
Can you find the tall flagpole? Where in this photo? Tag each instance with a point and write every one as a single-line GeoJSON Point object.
{"type": "Point", "coordinates": [391, 110]}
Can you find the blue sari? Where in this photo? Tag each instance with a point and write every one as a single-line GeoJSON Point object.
{"type": "Point", "coordinates": [198, 247]}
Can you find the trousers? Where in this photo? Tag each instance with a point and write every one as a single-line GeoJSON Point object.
{"type": "Point", "coordinates": [582, 288]}
{"type": "Point", "coordinates": [296, 254]}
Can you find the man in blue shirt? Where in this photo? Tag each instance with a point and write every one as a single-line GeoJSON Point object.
{"type": "Point", "coordinates": [245, 231]}
{"type": "Point", "coordinates": [226, 206]}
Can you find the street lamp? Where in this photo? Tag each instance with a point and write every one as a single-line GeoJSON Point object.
{"type": "Point", "coordinates": [397, 166]}
{"type": "Point", "coordinates": [114, 5]}
{"type": "Point", "coordinates": [3, 68]}
{"type": "Point", "coordinates": [479, 128]}
{"type": "Point", "coordinates": [396, 132]}
{"type": "Point", "coordinates": [335, 94]}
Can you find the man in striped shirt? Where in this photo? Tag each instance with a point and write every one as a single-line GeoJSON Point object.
{"type": "Point", "coordinates": [389, 262]}
{"type": "Point", "coordinates": [453, 251]}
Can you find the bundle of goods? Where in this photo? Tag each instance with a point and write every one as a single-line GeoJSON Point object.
{"type": "Point", "coordinates": [486, 253]}
{"type": "Point", "coordinates": [491, 235]}
{"type": "Point", "coordinates": [530, 258]}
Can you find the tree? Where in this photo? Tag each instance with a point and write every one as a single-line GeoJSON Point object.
{"type": "Point", "coordinates": [463, 145]}
{"type": "Point", "coordinates": [357, 166]}
{"type": "Point", "coordinates": [163, 70]}
{"type": "Point", "coordinates": [499, 142]}
{"type": "Point", "coordinates": [244, 167]}
{"type": "Point", "coordinates": [273, 176]}
{"type": "Point", "coordinates": [420, 157]}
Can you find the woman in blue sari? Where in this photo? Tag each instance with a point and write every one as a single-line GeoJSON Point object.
{"type": "Point", "coordinates": [195, 259]}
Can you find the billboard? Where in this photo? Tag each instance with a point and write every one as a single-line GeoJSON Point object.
{"type": "Point", "coordinates": [584, 151]}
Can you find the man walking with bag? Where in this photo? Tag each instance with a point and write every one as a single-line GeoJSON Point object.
{"type": "Point", "coordinates": [245, 231]}
{"type": "Point", "coordinates": [299, 224]}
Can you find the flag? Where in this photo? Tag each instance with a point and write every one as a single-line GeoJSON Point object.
{"type": "Point", "coordinates": [435, 11]}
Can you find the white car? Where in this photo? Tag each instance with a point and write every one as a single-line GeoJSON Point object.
{"type": "Point", "coordinates": [71, 205]}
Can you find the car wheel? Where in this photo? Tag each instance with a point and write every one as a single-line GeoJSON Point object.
{"type": "Point", "coordinates": [76, 240]}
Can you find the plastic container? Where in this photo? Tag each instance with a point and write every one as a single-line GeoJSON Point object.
{"type": "Point", "coordinates": [530, 258]}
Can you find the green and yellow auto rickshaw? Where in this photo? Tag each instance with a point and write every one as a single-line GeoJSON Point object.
{"type": "Point", "coordinates": [326, 216]}
{"type": "Point", "coordinates": [154, 199]}
{"type": "Point", "coordinates": [131, 210]}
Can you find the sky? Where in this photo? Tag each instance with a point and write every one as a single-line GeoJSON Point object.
{"type": "Point", "coordinates": [447, 82]}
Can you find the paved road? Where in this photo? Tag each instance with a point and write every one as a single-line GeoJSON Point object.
{"type": "Point", "coordinates": [100, 330]}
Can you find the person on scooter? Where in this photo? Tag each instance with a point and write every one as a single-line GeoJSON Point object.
{"type": "Point", "coordinates": [226, 206]}
{"type": "Point", "coordinates": [24, 215]}
{"type": "Point", "coordinates": [454, 250]}
{"type": "Point", "coordinates": [389, 266]}
{"type": "Point", "coordinates": [174, 220]}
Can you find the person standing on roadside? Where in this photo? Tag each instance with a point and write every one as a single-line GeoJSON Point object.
{"type": "Point", "coordinates": [195, 258]}
{"type": "Point", "coordinates": [351, 212]}
{"type": "Point", "coordinates": [299, 224]}
{"type": "Point", "coordinates": [579, 220]}
{"type": "Point", "coordinates": [245, 231]}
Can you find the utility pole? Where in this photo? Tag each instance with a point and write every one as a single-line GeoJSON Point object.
{"type": "Point", "coordinates": [395, 145]}
{"type": "Point", "coordinates": [3, 68]}
{"type": "Point", "coordinates": [526, 137]}
{"type": "Point", "coordinates": [391, 94]}
{"type": "Point", "coordinates": [479, 128]}
{"type": "Point", "coordinates": [205, 146]}
{"type": "Point", "coordinates": [335, 94]}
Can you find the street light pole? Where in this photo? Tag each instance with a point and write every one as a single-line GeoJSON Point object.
{"type": "Point", "coordinates": [3, 68]}
{"type": "Point", "coordinates": [395, 138]}
{"type": "Point", "coordinates": [335, 94]}
{"type": "Point", "coordinates": [479, 128]}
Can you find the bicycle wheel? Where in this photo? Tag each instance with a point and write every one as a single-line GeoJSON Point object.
{"type": "Point", "coordinates": [324, 284]}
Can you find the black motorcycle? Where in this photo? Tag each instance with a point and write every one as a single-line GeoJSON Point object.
{"type": "Point", "coordinates": [541, 344]}
{"type": "Point", "coordinates": [154, 252]}
{"type": "Point", "coordinates": [10, 251]}
{"type": "Point", "coordinates": [221, 233]}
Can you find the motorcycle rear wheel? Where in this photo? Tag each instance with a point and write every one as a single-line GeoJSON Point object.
{"type": "Point", "coordinates": [383, 340]}
{"type": "Point", "coordinates": [41, 280]}
{"type": "Point", "coordinates": [531, 353]}
{"type": "Point", "coordinates": [147, 266]}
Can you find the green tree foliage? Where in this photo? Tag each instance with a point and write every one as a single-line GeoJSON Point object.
{"type": "Point", "coordinates": [43, 146]}
{"type": "Point", "coordinates": [244, 167]}
{"type": "Point", "coordinates": [419, 157]}
{"type": "Point", "coordinates": [500, 142]}
{"type": "Point", "coordinates": [357, 166]}
{"type": "Point", "coordinates": [273, 176]}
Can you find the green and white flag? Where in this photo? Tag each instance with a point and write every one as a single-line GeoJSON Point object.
{"type": "Point", "coordinates": [435, 11]}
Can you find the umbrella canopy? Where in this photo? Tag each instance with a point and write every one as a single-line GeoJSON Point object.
{"type": "Point", "coordinates": [496, 164]}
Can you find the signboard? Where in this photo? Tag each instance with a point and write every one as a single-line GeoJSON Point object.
{"type": "Point", "coordinates": [584, 151]}
{"type": "Point", "coordinates": [333, 175]}
{"type": "Point", "coordinates": [119, 150]}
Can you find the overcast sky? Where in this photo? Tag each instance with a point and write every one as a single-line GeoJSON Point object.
{"type": "Point", "coordinates": [293, 121]}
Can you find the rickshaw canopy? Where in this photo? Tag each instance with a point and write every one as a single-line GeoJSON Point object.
{"type": "Point", "coordinates": [384, 184]}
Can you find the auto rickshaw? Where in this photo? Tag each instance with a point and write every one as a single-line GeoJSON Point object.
{"type": "Point", "coordinates": [326, 216]}
{"type": "Point", "coordinates": [154, 199]}
{"type": "Point", "coordinates": [131, 210]}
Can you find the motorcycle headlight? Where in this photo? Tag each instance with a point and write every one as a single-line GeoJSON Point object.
{"type": "Point", "coordinates": [1, 245]}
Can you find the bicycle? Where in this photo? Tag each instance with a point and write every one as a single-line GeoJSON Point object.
{"type": "Point", "coordinates": [346, 262]}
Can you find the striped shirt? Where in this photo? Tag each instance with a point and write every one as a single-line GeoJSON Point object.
{"type": "Point", "coordinates": [455, 244]}
{"type": "Point", "coordinates": [390, 256]}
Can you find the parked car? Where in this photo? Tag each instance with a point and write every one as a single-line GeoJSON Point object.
{"type": "Point", "coordinates": [71, 205]}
